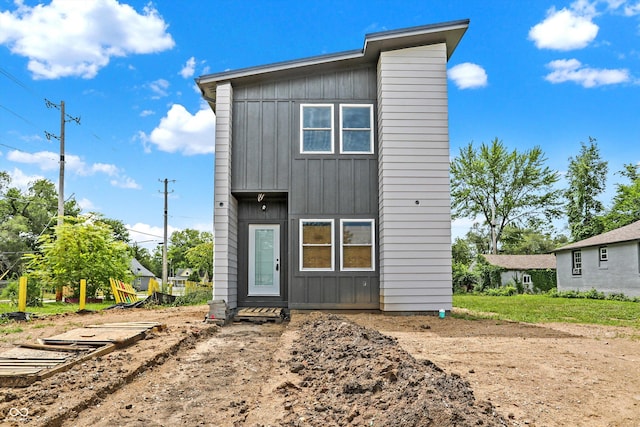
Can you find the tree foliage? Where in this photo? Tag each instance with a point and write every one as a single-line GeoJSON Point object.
{"type": "Point", "coordinates": [503, 187]}
{"type": "Point", "coordinates": [24, 217]}
{"type": "Point", "coordinates": [82, 248]}
{"type": "Point", "coordinates": [586, 176]}
{"type": "Point", "coordinates": [519, 241]}
{"type": "Point", "coordinates": [625, 208]}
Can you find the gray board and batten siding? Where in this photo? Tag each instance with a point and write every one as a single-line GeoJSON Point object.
{"type": "Point", "coordinates": [403, 186]}
{"type": "Point", "coordinates": [267, 159]}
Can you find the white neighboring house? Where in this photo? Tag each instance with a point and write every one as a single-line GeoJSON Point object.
{"type": "Point", "coordinates": [608, 262]}
{"type": "Point", "coordinates": [516, 267]}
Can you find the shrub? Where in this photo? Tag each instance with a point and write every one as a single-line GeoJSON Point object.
{"type": "Point", "coordinates": [506, 291]}
{"type": "Point", "coordinates": [34, 293]}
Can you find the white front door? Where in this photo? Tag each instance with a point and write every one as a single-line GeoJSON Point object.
{"type": "Point", "coordinates": [264, 260]}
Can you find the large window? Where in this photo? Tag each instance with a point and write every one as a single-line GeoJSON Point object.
{"type": "Point", "coordinates": [577, 263]}
{"type": "Point", "coordinates": [316, 128]}
{"type": "Point", "coordinates": [356, 133]}
{"type": "Point", "coordinates": [356, 245]}
{"type": "Point", "coordinates": [316, 244]}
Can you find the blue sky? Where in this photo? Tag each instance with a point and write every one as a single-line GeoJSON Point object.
{"type": "Point", "coordinates": [547, 73]}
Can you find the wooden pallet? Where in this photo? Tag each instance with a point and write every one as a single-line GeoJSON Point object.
{"type": "Point", "coordinates": [29, 363]}
{"type": "Point", "coordinates": [260, 314]}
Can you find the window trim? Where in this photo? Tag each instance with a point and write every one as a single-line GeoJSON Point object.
{"type": "Point", "coordinates": [370, 128]}
{"type": "Point", "coordinates": [331, 129]}
{"type": "Point", "coordinates": [373, 243]}
{"type": "Point", "coordinates": [526, 279]}
{"type": "Point", "coordinates": [302, 245]}
{"type": "Point", "coordinates": [603, 253]}
{"type": "Point", "coordinates": [576, 264]}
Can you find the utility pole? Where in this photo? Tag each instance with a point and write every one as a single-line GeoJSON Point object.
{"type": "Point", "coordinates": [63, 119]}
{"type": "Point", "coordinates": [164, 244]}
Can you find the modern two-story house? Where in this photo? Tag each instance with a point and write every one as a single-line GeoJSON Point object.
{"type": "Point", "coordinates": [332, 177]}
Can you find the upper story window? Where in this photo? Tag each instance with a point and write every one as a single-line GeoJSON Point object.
{"type": "Point", "coordinates": [357, 249]}
{"type": "Point", "coordinates": [604, 253]}
{"type": "Point", "coordinates": [576, 263]}
{"type": "Point", "coordinates": [316, 128]}
{"type": "Point", "coordinates": [316, 244]}
{"type": "Point", "coordinates": [356, 132]}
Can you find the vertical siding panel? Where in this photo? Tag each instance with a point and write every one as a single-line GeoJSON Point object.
{"type": "Point", "coordinates": [284, 138]}
{"type": "Point", "coordinates": [268, 169]}
{"type": "Point", "coordinates": [344, 187]}
{"type": "Point", "coordinates": [414, 194]}
{"type": "Point", "coordinates": [314, 186]}
{"type": "Point", "coordinates": [329, 185]}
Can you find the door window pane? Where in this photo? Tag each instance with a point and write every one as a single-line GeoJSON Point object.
{"type": "Point", "coordinates": [264, 257]}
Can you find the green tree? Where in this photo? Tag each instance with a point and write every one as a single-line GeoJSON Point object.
{"type": "Point", "coordinates": [586, 175]}
{"type": "Point", "coordinates": [181, 241]}
{"type": "Point", "coordinates": [519, 241]}
{"type": "Point", "coordinates": [24, 217]}
{"type": "Point", "coordinates": [81, 249]}
{"type": "Point", "coordinates": [200, 258]}
{"type": "Point", "coordinates": [503, 188]}
{"type": "Point", "coordinates": [625, 208]}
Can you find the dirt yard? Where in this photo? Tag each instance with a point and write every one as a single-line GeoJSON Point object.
{"type": "Point", "coordinates": [347, 369]}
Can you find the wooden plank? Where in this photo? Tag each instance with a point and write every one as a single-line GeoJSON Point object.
{"type": "Point", "coordinates": [122, 336]}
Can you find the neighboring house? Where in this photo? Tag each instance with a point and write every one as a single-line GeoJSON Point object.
{"type": "Point", "coordinates": [182, 276]}
{"type": "Point", "coordinates": [332, 177]}
{"type": "Point", "coordinates": [608, 262]}
{"type": "Point", "coordinates": [142, 275]}
{"type": "Point", "coordinates": [521, 268]}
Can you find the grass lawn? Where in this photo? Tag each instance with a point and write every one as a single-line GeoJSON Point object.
{"type": "Point", "coordinates": [543, 309]}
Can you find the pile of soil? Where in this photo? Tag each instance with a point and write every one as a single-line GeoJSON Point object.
{"type": "Point", "coordinates": [359, 377]}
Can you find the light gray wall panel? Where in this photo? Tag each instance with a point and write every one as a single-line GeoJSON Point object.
{"type": "Point", "coordinates": [414, 194]}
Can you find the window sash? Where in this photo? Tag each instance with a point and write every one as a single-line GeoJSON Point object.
{"type": "Point", "coordinates": [316, 250]}
{"type": "Point", "coordinates": [604, 254]}
{"type": "Point", "coordinates": [577, 263]}
{"type": "Point", "coordinates": [354, 135]}
{"type": "Point", "coordinates": [316, 132]}
{"type": "Point", "coordinates": [357, 252]}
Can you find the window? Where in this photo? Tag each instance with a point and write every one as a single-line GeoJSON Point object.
{"type": "Point", "coordinates": [577, 263]}
{"type": "Point", "coordinates": [316, 244]}
{"type": "Point", "coordinates": [526, 280]}
{"type": "Point", "coordinates": [604, 253]}
{"type": "Point", "coordinates": [316, 128]}
{"type": "Point", "coordinates": [356, 134]}
{"type": "Point", "coordinates": [356, 245]}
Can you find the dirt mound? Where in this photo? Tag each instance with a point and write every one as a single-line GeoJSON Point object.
{"type": "Point", "coordinates": [360, 377]}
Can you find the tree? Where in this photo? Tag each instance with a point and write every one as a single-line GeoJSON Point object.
{"type": "Point", "coordinates": [81, 249]}
{"type": "Point", "coordinates": [24, 217]}
{"type": "Point", "coordinates": [200, 257]}
{"type": "Point", "coordinates": [503, 188]}
{"type": "Point", "coordinates": [181, 241]}
{"type": "Point", "coordinates": [519, 241]}
{"type": "Point", "coordinates": [586, 175]}
{"type": "Point", "coordinates": [625, 208]}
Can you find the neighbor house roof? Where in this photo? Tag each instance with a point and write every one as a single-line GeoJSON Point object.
{"type": "Point", "coordinates": [627, 233]}
{"type": "Point", "coordinates": [374, 43]}
{"type": "Point", "coordinates": [522, 262]}
{"type": "Point", "coordinates": [139, 270]}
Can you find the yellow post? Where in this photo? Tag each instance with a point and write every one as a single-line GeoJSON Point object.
{"type": "Point", "coordinates": [83, 293]}
{"type": "Point", "coordinates": [22, 294]}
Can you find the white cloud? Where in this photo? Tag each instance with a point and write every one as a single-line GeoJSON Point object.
{"type": "Point", "coordinates": [145, 113]}
{"type": "Point", "coordinates": [189, 68]}
{"type": "Point", "coordinates": [632, 9]}
{"type": "Point", "coordinates": [468, 76]}
{"type": "Point", "coordinates": [85, 204]}
{"type": "Point", "coordinates": [48, 161]}
{"type": "Point", "coordinates": [566, 29]}
{"type": "Point", "coordinates": [125, 182]}
{"type": "Point", "coordinates": [148, 236]}
{"type": "Point", "coordinates": [78, 38]}
{"type": "Point", "coordinates": [159, 87]}
{"type": "Point", "coordinates": [180, 131]}
{"type": "Point", "coordinates": [572, 70]}
{"type": "Point", "coordinates": [22, 181]}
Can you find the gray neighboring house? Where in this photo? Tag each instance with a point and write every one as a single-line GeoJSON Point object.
{"type": "Point", "coordinates": [332, 177]}
{"type": "Point", "coordinates": [516, 266]}
{"type": "Point", "coordinates": [142, 275]}
{"type": "Point", "coordinates": [608, 262]}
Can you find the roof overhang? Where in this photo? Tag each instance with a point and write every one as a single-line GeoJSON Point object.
{"type": "Point", "coordinates": [449, 33]}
